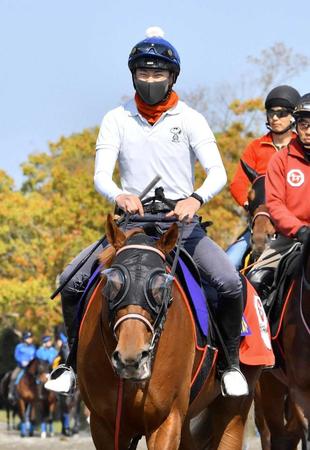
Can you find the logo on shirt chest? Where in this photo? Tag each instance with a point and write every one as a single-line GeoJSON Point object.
{"type": "Point", "coordinates": [176, 131]}
{"type": "Point", "coordinates": [295, 177]}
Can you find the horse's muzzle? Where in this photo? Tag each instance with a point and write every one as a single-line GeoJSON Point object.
{"type": "Point", "coordinates": [136, 368]}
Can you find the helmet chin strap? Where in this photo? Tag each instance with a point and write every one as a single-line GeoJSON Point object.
{"type": "Point", "coordinates": [289, 127]}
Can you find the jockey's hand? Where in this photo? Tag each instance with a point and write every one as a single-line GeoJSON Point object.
{"type": "Point", "coordinates": [183, 208]}
{"type": "Point", "coordinates": [246, 205]}
{"type": "Point", "coordinates": [24, 363]}
{"type": "Point", "coordinates": [130, 203]}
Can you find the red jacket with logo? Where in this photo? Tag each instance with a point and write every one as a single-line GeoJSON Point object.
{"type": "Point", "coordinates": [288, 189]}
{"type": "Point", "coordinates": [257, 155]}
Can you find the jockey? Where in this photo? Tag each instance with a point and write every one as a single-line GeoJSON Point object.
{"type": "Point", "coordinates": [46, 352]}
{"type": "Point", "coordinates": [24, 353]}
{"type": "Point", "coordinates": [156, 133]}
{"type": "Point", "coordinates": [287, 197]}
{"type": "Point", "coordinates": [279, 105]}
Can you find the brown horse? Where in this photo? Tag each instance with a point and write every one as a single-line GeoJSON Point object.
{"type": "Point", "coordinates": [134, 375]}
{"type": "Point", "coordinates": [34, 399]}
{"type": "Point", "coordinates": [46, 400]}
{"type": "Point", "coordinates": [10, 406]}
{"type": "Point", "coordinates": [285, 419]}
{"type": "Point", "coordinates": [261, 226]}
{"type": "Point", "coordinates": [294, 342]}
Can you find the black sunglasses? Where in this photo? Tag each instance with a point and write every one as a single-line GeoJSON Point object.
{"type": "Point", "coordinates": [279, 113]}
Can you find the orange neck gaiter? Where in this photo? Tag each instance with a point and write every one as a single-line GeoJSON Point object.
{"type": "Point", "coordinates": [153, 112]}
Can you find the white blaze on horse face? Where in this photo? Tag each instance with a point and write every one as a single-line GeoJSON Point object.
{"type": "Point", "coordinates": [131, 358]}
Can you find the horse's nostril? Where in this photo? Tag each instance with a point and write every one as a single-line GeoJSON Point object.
{"type": "Point", "coordinates": [115, 356]}
{"type": "Point", "coordinates": [144, 354]}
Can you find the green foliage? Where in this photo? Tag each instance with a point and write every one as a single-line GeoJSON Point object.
{"type": "Point", "coordinates": [43, 226]}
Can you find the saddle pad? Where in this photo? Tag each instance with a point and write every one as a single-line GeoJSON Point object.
{"type": "Point", "coordinates": [255, 348]}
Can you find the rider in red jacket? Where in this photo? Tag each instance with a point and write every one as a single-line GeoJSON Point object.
{"type": "Point", "coordinates": [279, 104]}
{"type": "Point", "coordinates": [288, 179]}
{"type": "Point", "coordinates": [287, 197]}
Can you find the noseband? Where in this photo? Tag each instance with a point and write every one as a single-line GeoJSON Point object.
{"type": "Point", "coordinates": [157, 311]}
{"type": "Point", "coordinates": [262, 213]}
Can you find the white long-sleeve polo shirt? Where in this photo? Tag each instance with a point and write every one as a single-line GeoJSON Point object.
{"type": "Point", "coordinates": [168, 148]}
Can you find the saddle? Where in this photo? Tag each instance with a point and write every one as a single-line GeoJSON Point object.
{"type": "Point", "coordinates": [284, 274]}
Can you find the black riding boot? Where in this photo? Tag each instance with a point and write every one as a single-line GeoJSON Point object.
{"type": "Point", "coordinates": [64, 375]}
{"type": "Point", "coordinates": [69, 311]}
{"type": "Point", "coordinates": [229, 316]}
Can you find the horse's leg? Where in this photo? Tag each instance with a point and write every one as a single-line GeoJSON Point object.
{"type": "Point", "coordinates": [260, 421]}
{"type": "Point", "coordinates": [226, 419]}
{"type": "Point", "coordinates": [32, 418]}
{"type": "Point", "coordinates": [226, 416]}
{"type": "Point", "coordinates": [52, 408]}
{"type": "Point", "coordinates": [296, 422]}
{"type": "Point", "coordinates": [22, 415]}
{"type": "Point", "coordinates": [102, 434]}
{"type": "Point", "coordinates": [8, 422]}
{"type": "Point", "coordinates": [274, 394]}
{"type": "Point", "coordinates": [168, 435]}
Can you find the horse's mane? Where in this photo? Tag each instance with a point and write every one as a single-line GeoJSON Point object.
{"type": "Point", "coordinates": [106, 257]}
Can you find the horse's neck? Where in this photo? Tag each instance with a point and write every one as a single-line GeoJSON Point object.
{"type": "Point", "coordinates": [31, 369]}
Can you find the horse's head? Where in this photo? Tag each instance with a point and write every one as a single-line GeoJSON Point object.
{"type": "Point", "coordinates": [137, 288]}
{"type": "Point", "coordinates": [42, 370]}
{"type": "Point", "coordinates": [262, 228]}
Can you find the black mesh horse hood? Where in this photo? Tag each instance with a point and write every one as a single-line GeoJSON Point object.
{"type": "Point", "coordinates": [138, 265]}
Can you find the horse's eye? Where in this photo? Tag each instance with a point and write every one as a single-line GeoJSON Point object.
{"type": "Point", "coordinates": [114, 284]}
{"type": "Point", "coordinates": [157, 286]}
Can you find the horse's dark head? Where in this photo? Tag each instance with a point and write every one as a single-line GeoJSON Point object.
{"type": "Point", "coordinates": [136, 289]}
{"type": "Point", "coordinates": [43, 369]}
{"type": "Point", "coordinates": [256, 195]}
{"type": "Point", "coordinates": [262, 228]}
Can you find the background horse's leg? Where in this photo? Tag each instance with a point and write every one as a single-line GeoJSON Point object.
{"type": "Point", "coordinates": [22, 415]}
{"type": "Point", "coordinates": [260, 420]}
{"type": "Point", "coordinates": [52, 407]}
{"type": "Point", "coordinates": [8, 416]}
{"type": "Point", "coordinates": [31, 417]}
{"type": "Point", "coordinates": [284, 436]}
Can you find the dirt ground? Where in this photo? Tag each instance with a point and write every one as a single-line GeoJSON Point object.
{"type": "Point", "coordinates": [10, 440]}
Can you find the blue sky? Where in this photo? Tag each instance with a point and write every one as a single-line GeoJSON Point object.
{"type": "Point", "coordinates": [64, 62]}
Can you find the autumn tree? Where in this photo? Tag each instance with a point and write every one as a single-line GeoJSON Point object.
{"type": "Point", "coordinates": [57, 212]}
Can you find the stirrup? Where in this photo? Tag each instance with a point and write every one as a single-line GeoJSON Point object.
{"type": "Point", "coordinates": [240, 387]}
{"type": "Point", "coordinates": [56, 373]}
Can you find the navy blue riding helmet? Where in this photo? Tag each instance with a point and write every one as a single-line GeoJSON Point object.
{"type": "Point", "coordinates": [155, 53]}
{"type": "Point", "coordinates": [46, 338]}
{"type": "Point", "coordinates": [27, 334]}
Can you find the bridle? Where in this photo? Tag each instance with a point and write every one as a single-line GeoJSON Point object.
{"type": "Point", "coordinates": [159, 313]}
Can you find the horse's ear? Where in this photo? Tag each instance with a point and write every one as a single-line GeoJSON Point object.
{"type": "Point", "coordinates": [250, 173]}
{"type": "Point", "coordinates": [115, 236]}
{"type": "Point", "coordinates": [168, 240]}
